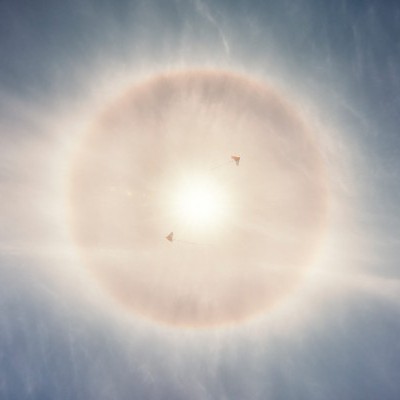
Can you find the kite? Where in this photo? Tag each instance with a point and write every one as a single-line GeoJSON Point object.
{"type": "Point", "coordinates": [236, 159]}
{"type": "Point", "coordinates": [170, 237]}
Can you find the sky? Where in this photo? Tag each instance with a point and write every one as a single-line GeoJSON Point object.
{"type": "Point", "coordinates": [107, 107]}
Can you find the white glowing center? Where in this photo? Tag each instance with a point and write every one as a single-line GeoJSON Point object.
{"type": "Point", "coordinates": [200, 202]}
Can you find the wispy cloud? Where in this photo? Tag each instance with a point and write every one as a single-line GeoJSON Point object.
{"type": "Point", "coordinates": [204, 10]}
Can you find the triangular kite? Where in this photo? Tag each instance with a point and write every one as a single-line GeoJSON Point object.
{"type": "Point", "coordinates": [236, 159]}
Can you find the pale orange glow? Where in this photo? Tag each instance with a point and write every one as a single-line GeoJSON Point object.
{"type": "Point", "coordinates": [245, 233]}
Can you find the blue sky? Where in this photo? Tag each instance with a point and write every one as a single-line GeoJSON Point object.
{"type": "Point", "coordinates": [60, 336]}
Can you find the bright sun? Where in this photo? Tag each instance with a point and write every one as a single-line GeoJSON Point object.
{"type": "Point", "coordinates": [200, 201]}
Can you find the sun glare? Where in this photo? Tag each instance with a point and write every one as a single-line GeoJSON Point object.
{"type": "Point", "coordinates": [200, 202]}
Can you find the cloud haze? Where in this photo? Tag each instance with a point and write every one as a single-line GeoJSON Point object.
{"type": "Point", "coordinates": [181, 85]}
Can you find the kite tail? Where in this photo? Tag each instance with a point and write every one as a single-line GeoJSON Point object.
{"type": "Point", "coordinates": [185, 241]}
{"type": "Point", "coordinates": [220, 165]}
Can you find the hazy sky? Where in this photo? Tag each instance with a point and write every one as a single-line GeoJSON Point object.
{"type": "Point", "coordinates": [324, 192]}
